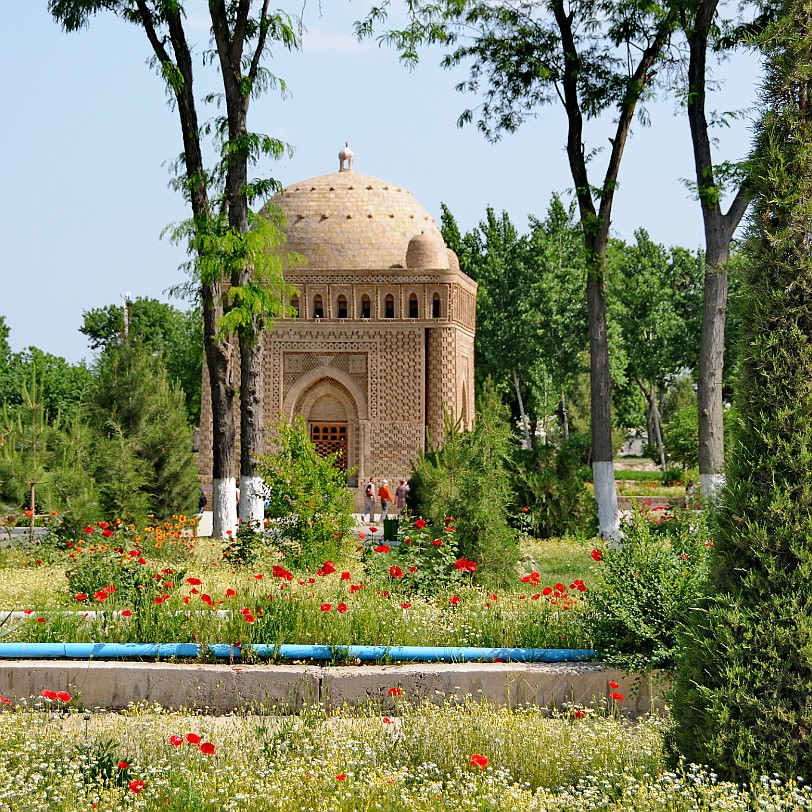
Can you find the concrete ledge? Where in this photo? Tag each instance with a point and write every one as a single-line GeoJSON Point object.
{"type": "Point", "coordinates": [224, 688]}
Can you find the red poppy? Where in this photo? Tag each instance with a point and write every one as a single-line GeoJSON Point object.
{"type": "Point", "coordinates": [362, 536]}
{"type": "Point", "coordinates": [28, 611]}
{"type": "Point", "coordinates": [40, 620]}
{"type": "Point", "coordinates": [207, 599]}
{"type": "Point", "coordinates": [258, 576]}
{"type": "Point", "coordinates": [420, 524]}
{"type": "Point", "coordinates": [207, 748]}
{"type": "Point", "coordinates": [326, 607]}
{"type": "Point", "coordinates": [230, 593]}
{"type": "Point", "coordinates": [345, 576]}
{"type": "Point", "coordinates": [395, 571]}
{"type": "Point", "coordinates": [356, 587]}
{"type": "Point", "coordinates": [5, 700]}
{"type": "Point", "coordinates": [136, 786]}
{"type": "Point", "coordinates": [617, 696]}
{"type": "Point", "coordinates": [193, 581]}
{"type": "Point", "coordinates": [48, 694]}
{"type": "Point", "coordinates": [373, 529]}
{"type": "Point", "coordinates": [107, 532]}
{"type": "Point", "coordinates": [28, 512]}
{"type": "Point", "coordinates": [193, 738]}
{"type": "Point", "coordinates": [548, 590]}
{"type": "Point", "coordinates": [103, 525]}
{"type": "Point", "coordinates": [395, 692]}
{"type": "Point", "coordinates": [479, 761]}
{"type": "Point", "coordinates": [614, 685]}
{"type": "Point", "coordinates": [597, 555]}
{"type": "Point", "coordinates": [464, 565]}
{"type": "Point", "coordinates": [281, 572]}
{"type": "Point", "coordinates": [579, 714]}
{"type": "Point", "coordinates": [387, 721]}
{"type": "Point", "coordinates": [123, 765]}
{"type": "Point", "coordinates": [535, 597]}
{"type": "Point", "coordinates": [382, 548]}
{"type": "Point", "coordinates": [405, 606]}
{"type": "Point", "coordinates": [100, 596]}
{"type": "Point", "coordinates": [176, 741]}
{"type": "Point", "coordinates": [412, 569]}
{"type": "Point", "coordinates": [89, 529]}
{"type": "Point", "coordinates": [249, 618]}
{"type": "Point", "coordinates": [341, 776]}
{"type": "Point", "coordinates": [454, 600]}
{"type": "Point", "coordinates": [126, 613]}
{"type": "Point", "coordinates": [437, 543]}
{"type": "Point", "coordinates": [341, 608]}
{"type": "Point", "coordinates": [493, 597]}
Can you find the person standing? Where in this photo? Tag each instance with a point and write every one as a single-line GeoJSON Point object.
{"type": "Point", "coordinates": [401, 493]}
{"type": "Point", "coordinates": [386, 499]}
{"type": "Point", "coordinates": [369, 500]}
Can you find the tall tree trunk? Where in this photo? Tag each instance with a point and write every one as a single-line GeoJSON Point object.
{"type": "Point", "coordinates": [563, 416]}
{"type": "Point", "coordinates": [653, 421]}
{"type": "Point", "coordinates": [524, 420]}
{"type": "Point", "coordinates": [719, 229]}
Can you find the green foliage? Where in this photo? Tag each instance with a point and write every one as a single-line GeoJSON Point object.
{"type": "Point", "coordinates": [310, 508]}
{"type": "Point", "coordinates": [145, 463]}
{"type": "Point", "coordinates": [53, 453]}
{"type": "Point", "coordinates": [646, 586]}
{"type": "Point", "coordinates": [468, 479]}
{"type": "Point", "coordinates": [742, 686]}
{"type": "Point", "coordinates": [545, 480]}
{"type": "Point", "coordinates": [175, 335]}
{"type": "Point", "coordinates": [682, 437]}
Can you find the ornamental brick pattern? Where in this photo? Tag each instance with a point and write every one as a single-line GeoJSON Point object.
{"type": "Point", "coordinates": [384, 338]}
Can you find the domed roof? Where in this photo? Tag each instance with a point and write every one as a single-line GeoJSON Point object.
{"type": "Point", "coordinates": [349, 221]}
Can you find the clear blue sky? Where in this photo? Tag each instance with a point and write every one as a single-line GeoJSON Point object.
{"type": "Point", "coordinates": [88, 135]}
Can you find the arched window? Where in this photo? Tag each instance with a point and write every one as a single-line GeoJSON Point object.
{"type": "Point", "coordinates": [342, 307]}
{"type": "Point", "coordinates": [318, 307]}
{"type": "Point", "coordinates": [389, 306]}
{"type": "Point", "coordinates": [366, 307]}
{"type": "Point", "coordinates": [414, 310]}
{"type": "Point", "coordinates": [294, 303]}
{"type": "Point", "coordinates": [435, 306]}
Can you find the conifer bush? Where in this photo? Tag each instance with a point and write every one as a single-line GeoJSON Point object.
{"type": "Point", "coordinates": [742, 693]}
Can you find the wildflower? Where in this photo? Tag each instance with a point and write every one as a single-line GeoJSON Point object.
{"type": "Point", "coordinates": [395, 571]}
{"type": "Point", "coordinates": [281, 572]}
{"type": "Point", "coordinates": [5, 700]}
{"type": "Point", "coordinates": [437, 543]}
{"type": "Point", "coordinates": [48, 694]}
{"type": "Point", "coordinates": [136, 786]}
{"type": "Point", "coordinates": [126, 613]}
{"type": "Point", "coordinates": [176, 741]}
{"type": "Point", "coordinates": [345, 576]}
{"type": "Point", "coordinates": [341, 608]}
{"type": "Point", "coordinates": [231, 593]}
{"type": "Point", "coordinates": [207, 748]}
{"type": "Point", "coordinates": [493, 597]}
{"type": "Point", "coordinates": [548, 590]}
{"type": "Point", "coordinates": [382, 548]}
{"type": "Point", "coordinates": [479, 761]}
{"type": "Point", "coordinates": [89, 529]}
{"type": "Point", "coordinates": [326, 607]}
{"type": "Point", "coordinates": [80, 596]}
{"type": "Point", "coordinates": [579, 714]}
{"type": "Point", "coordinates": [405, 606]}
{"type": "Point", "coordinates": [412, 568]}
{"type": "Point", "coordinates": [613, 685]}
{"type": "Point", "coordinates": [341, 776]}
{"type": "Point", "coordinates": [193, 738]}
{"type": "Point", "coordinates": [207, 599]}
{"type": "Point", "coordinates": [28, 512]}
{"type": "Point", "coordinates": [193, 581]}
{"type": "Point", "coordinates": [387, 721]}
{"type": "Point", "coordinates": [107, 532]}
{"type": "Point", "coordinates": [123, 765]}
{"type": "Point", "coordinates": [373, 529]}
{"type": "Point", "coordinates": [617, 696]}
{"type": "Point", "coordinates": [419, 524]}
{"type": "Point", "coordinates": [536, 596]}
{"type": "Point", "coordinates": [395, 692]}
{"type": "Point", "coordinates": [454, 600]}
{"type": "Point", "coordinates": [355, 587]}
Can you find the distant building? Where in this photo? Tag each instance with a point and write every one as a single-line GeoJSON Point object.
{"type": "Point", "coordinates": [384, 338]}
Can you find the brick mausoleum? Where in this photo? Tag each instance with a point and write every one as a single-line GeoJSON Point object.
{"type": "Point", "coordinates": [384, 337]}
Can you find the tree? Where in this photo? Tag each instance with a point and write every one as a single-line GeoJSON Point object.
{"type": "Point", "coordinates": [657, 306]}
{"type": "Point", "coordinates": [741, 690]}
{"type": "Point", "coordinates": [592, 56]}
{"type": "Point", "coordinates": [176, 335]}
{"type": "Point", "coordinates": [240, 280]}
{"type": "Point", "coordinates": [146, 462]}
{"type": "Point", "coordinates": [699, 20]}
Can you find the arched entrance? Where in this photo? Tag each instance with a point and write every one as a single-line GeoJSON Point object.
{"type": "Point", "coordinates": [334, 411]}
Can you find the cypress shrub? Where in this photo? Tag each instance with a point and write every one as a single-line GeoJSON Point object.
{"type": "Point", "coordinates": [742, 691]}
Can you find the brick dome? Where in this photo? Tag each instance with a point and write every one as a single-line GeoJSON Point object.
{"type": "Point", "coordinates": [348, 221]}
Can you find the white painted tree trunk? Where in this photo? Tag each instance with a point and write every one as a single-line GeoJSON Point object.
{"type": "Point", "coordinates": [710, 486]}
{"type": "Point", "coordinates": [252, 499]}
{"type": "Point", "coordinates": [603, 476]}
{"type": "Point", "coordinates": [224, 507]}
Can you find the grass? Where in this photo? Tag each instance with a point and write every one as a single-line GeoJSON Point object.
{"type": "Point", "coordinates": [453, 756]}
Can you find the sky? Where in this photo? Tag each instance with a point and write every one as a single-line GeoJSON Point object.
{"type": "Point", "coordinates": [89, 134]}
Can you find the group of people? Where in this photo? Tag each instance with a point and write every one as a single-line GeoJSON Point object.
{"type": "Point", "coordinates": [373, 492]}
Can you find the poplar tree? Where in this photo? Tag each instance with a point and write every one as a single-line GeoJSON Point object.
{"type": "Point", "coordinates": [241, 285]}
{"type": "Point", "coordinates": [742, 693]}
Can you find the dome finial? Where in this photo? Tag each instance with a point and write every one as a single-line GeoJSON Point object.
{"type": "Point", "coordinates": [347, 155]}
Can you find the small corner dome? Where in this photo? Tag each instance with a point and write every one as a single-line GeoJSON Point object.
{"type": "Point", "coordinates": [453, 259]}
{"type": "Point", "coordinates": [425, 251]}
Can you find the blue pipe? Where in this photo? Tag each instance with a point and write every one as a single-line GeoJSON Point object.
{"type": "Point", "coordinates": [421, 654]}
